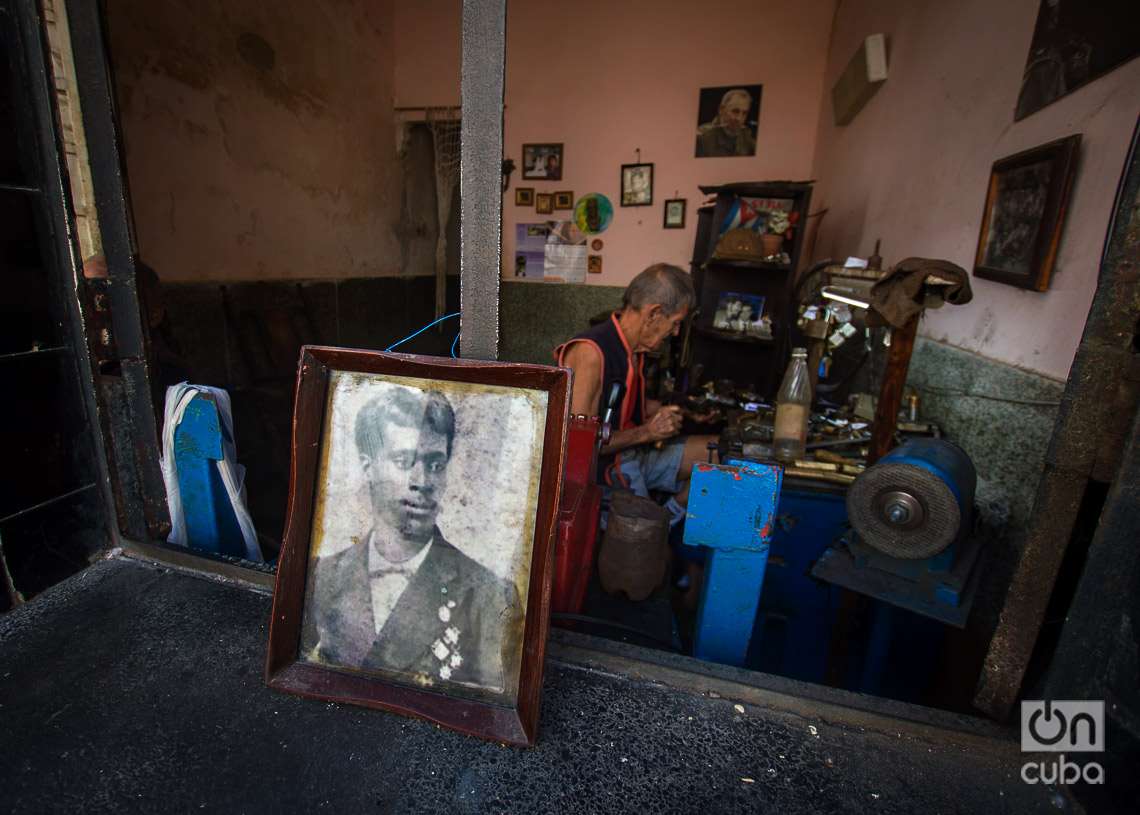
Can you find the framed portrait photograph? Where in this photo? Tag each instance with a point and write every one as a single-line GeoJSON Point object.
{"type": "Point", "coordinates": [727, 119]}
{"type": "Point", "coordinates": [544, 203]}
{"type": "Point", "coordinates": [542, 162]}
{"type": "Point", "coordinates": [743, 314]}
{"type": "Point", "coordinates": [675, 213]}
{"type": "Point", "coordinates": [1024, 213]}
{"type": "Point", "coordinates": [564, 200]}
{"type": "Point", "coordinates": [524, 196]}
{"type": "Point", "coordinates": [415, 572]}
{"type": "Point", "coordinates": [594, 264]}
{"type": "Point", "coordinates": [636, 185]}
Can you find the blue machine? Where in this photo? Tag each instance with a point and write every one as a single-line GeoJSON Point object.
{"type": "Point", "coordinates": [797, 613]}
{"type": "Point", "coordinates": [731, 512]}
{"type": "Point", "coordinates": [781, 553]}
{"type": "Point", "coordinates": [911, 515]}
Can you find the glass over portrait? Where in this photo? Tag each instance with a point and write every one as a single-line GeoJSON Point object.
{"type": "Point", "coordinates": [422, 533]}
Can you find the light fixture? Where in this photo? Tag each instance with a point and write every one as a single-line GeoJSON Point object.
{"type": "Point", "coordinates": [830, 294]}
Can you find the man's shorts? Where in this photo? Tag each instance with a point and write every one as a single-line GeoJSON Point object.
{"type": "Point", "coordinates": [644, 468]}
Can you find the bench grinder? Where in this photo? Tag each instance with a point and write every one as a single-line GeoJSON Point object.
{"type": "Point", "coordinates": [910, 545]}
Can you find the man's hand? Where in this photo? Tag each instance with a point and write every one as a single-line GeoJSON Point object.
{"type": "Point", "coordinates": [664, 424]}
{"type": "Point", "coordinates": [708, 417]}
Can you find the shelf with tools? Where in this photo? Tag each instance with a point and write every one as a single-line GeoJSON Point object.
{"type": "Point", "coordinates": [744, 275]}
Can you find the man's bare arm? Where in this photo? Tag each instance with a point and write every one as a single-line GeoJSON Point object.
{"type": "Point", "coordinates": [586, 362]}
{"type": "Point", "coordinates": [663, 424]}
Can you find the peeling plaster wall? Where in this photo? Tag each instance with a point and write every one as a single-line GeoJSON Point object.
{"type": "Point", "coordinates": [913, 166]}
{"type": "Point", "coordinates": [259, 138]}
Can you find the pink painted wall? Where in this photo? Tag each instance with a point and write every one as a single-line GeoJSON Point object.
{"type": "Point", "coordinates": [912, 168]}
{"type": "Point", "coordinates": [605, 78]}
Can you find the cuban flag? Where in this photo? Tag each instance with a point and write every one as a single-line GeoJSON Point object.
{"type": "Point", "coordinates": [746, 213]}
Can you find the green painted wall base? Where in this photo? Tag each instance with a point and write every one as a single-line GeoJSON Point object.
{"type": "Point", "coordinates": [535, 317]}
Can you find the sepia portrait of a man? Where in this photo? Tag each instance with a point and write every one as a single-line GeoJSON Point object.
{"type": "Point", "coordinates": [421, 531]}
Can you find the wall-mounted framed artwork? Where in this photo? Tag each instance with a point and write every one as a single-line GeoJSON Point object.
{"type": "Point", "coordinates": [1024, 214]}
{"type": "Point", "coordinates": [564, 199]}
{"type": "Point", "coordinates": [524, 196]}
{"type": "Point", "coordinates": [544, 203]}
{"type": "Point", "coordinates": [1075, 42]}
{"type": "Point", "coordinates": [727, 120]}
{"type": "Point", "coordinates": [636, 185]}
{"type": "Point", "coordinates": [396, 587]}
{"type": "Point", "coordinates": [542, 162]}
{"type": "Point", "coordinates": [675, 213]}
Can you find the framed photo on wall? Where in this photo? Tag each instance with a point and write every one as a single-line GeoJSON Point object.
{"type": "Point", "coordinates": [675, 213]}
{"type": "Point", "coordinates": [415, 571]}
{"type": "Point", "coordinates": [1073, 44]}
{"type": "Point", "coordinates": [727, 121]}
{"type": "Point", "coordinates": [1024, 214]}
{"type": "Point", "coordinates": [636, 185]}
{"type": "Point", "coordinates": [542, 162]}
{"type": "Point", "coordinates": [564, 200]}
{"type": "Point", "coordinates": [524, 196]}
{"type": "Point", "coordinates": [544, 203]}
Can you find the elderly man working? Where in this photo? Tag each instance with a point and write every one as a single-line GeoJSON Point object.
{"type": "Point", "coordinates": [653, 308]}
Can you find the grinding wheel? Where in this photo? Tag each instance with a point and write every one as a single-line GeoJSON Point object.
{"type": "Point", "coordinates": [904, 510]}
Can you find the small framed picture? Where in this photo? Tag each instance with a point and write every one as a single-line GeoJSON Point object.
{"type": "Point", "coordinates": [675, 213]}
{"type": "Point", "coordinates": [542, 162]}
{"type": "Point", "coordinates": [396, 587]}
{"type": "Point", "coordinates": [743, 314]}
{"type": "Point", "coordinates": [544, 203]}
{"type": "Point", "coordinates": [1023, 214]}
{"type": "Point", "coordinates": [524, 196]}
{"type": "Point", "coordinates": [594, 264]}
{"type": "Point", "coordinates": [636, 185]}
{"type": "Point", "coordinates": [564, 200]}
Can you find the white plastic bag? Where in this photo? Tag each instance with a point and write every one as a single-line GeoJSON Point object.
{"type": "Point", "coordinates": [178, 397]}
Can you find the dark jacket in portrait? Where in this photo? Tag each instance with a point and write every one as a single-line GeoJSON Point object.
{"type": "Point", "coordinates": [453, 622]}
{"type": "Point", "coordinates": [714, 141]}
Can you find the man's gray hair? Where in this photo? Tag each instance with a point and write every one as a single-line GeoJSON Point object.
{"type": "Point", "coordinates": [661, 284]}
{"type": "Point", "coordinates": [724, 100]}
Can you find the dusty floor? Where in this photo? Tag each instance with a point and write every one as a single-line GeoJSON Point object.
{"type": "Point", "coordinates": [133, 688]}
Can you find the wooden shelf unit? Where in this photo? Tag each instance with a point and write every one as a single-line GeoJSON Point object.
{"type": "Point", "coordinates": [755, 362]}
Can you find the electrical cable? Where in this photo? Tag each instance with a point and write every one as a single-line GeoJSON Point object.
{"type": "Point", "coordinates": [454, 342]}
{"type": "Point", "coordinates": [422, 330]}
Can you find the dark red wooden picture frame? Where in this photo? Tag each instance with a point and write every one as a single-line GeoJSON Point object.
{"type": "Point", "coordinates": [517, 724]}
{"type": "Point", "coordinates": [1062, 154]}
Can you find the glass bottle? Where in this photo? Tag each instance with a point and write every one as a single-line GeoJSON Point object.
{"type": "Point", "coordinates": [792, 406]}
